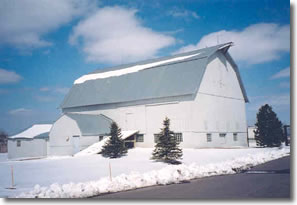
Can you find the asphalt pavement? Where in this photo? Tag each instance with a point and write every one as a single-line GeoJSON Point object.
{"type": "Point", "coordinates": [265, 181]}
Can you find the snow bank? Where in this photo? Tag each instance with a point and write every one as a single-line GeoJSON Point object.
{"type": "Point", "coordinates": [128, 70]}
{"type": "Point", "coordinates": [167, 175]}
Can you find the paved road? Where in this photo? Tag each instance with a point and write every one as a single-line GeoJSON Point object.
{"type": "Point", "coordinates": [269, 180]}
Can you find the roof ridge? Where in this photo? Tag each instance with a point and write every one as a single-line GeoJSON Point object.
{"type": "Point", "coordinates": [123, 66]}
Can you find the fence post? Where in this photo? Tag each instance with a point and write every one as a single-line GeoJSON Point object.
{"type": "Point", "coordinates": [12, 177]}
{"type": "Point", "coordinates": [110, 176]}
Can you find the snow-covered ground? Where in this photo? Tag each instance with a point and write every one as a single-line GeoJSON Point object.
{"type": "Point", "coordinates": [3, 157]}
{"type": "Point", "coordinates": [89, 175]}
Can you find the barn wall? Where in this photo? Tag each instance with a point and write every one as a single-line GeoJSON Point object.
{"type": "Point", "coordinates": [220, 79]}
{"type": "Point", "coordinates": [148, 119]}
{"type": "Point", "coordinates": [219, 106]}
{"type": "Point", "coordinates": [61, 137]}
{"type": "Point", "coordinates": [29, 148]}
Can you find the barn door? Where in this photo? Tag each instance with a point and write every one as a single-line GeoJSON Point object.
{"type": "Point", "coordinates": [75, 144]}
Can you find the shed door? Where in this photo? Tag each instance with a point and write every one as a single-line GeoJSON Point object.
{"type": "Point", "coordinates": [75, 144]}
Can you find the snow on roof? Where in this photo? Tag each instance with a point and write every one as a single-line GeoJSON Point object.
{"type": "Point", "coordinates": [131, 69]}
{"type": "Point", "coordinates": [128, 133]}
{"type": "Point", "coordinates": [33, 131]}
{"type": "Point", "coordinates": [93, 149]}
{"type": "Point", "coordinates": [146, 80]}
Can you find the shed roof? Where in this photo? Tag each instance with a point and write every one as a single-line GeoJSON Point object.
{"type": "Point", "coordinates": [35, 131]}
{"type": "Point", "coordinates": [91, 125]}
{"type": "Point", "coordinates": [158, 78]}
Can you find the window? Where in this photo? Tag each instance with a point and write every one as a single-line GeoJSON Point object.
{"type": "Point", "coordinates": [100, 138]}
{"type": "Point", "coordinates": [208, 137]}
{"type": "Point", "coordinates": [139, 138]}
{"type": "Point", "coordinates": [235, 137]}
{"type": "Point", "coordinates": [18, 143]}
{"type": "Point", "coordinates": [178, 137]}
{"type": "Point", "coordinates": [222, 134]}
{"type": "Point", "coordinates": [156, 137]}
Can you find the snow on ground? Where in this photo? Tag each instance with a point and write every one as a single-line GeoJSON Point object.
{"type": "Point", "coordinates": [3, 157]}
{"type": "Point", "coordinates": [89, 175]}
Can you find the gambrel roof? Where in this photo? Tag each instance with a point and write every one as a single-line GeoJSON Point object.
{"type": "Point", "coordinates": [177, 75]}
{"type": "Point", "coordinates": [91, 125]}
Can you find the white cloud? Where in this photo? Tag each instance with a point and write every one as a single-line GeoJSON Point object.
{"type": "Point", "coordinates": [257, 43]}
{"type": "Point", "coordinates": [285, 73]}
{"type": "Point", "coordinates": [279, 102]}
{"type": "Point", "coordinates": [62, 90]}
{"type": "Point", "coordinates": [59, 90]}
{"type": "Point", "coordinates": [173, 32]}
{"type": "Point", "coordinates": [24, 23]}
{"type": "Point", "coordinates": [44, 89]}
{"type": "Point", "coordinates": [284, 84]}
{"type": "Point", "coordinates": [45, 98]}
{"type": "Point", "coordinates": [115, 35]}
{"type": "Point", "coordinates": [3, 91]}
{"type": "Point", "coordinates": [183, 13]}
{"type": "Point", "coordinates": [9, 76]}
{"type": "Point", "coordinates": [20, 111]}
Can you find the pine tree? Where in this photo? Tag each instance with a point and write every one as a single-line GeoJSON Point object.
{"type": "Point", "coordinates": [166, 148]}
{"type": "Point", "coordinates": [269, 132]}
{"type": "Point", "coordinates": [114, 147]}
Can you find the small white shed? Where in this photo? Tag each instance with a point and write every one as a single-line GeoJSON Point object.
{"type": "Point", "coordinates": [31, 143]}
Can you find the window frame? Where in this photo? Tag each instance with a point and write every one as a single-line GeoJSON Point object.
{"type": "Point", "coordinates": [208, 137]}
{"type": "Point", "coordinates": [178, 136]}
{"type": "Point", "coordinates": [139, 136]}
{"type": "Point", "coordinates": [156, 137]}
{"type": "Point", "coordinates": [235, 136]}
{"type": "Point", "coordinates": [19, 143]}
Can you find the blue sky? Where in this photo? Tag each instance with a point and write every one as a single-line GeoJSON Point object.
{"type": "Point", "coordinates": [45, 45]}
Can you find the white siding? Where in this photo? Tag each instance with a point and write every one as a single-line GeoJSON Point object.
{"type": "Point", "coordinates": [219, 106]}
{"type": "Point", "coordinates": [61, 137]}
{"type": "Point", "coordinates": [220, 79]}
{"type": "Point", "coordinates": [29, 148]}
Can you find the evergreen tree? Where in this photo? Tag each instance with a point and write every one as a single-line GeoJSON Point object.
{"type": "Point", "coordinates": [166, 148]}
{"type": "Point", "coordinates": [3, 138]}
{"type": "Point", "coordinates": [114, 147]}
{"type": "Point", "coordinates": [269, 132]}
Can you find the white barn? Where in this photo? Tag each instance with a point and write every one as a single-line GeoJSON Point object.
{"type": "Point", "coordinates": [201, 92]}
{"type": "Point", "coordinates": [31, 143]}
